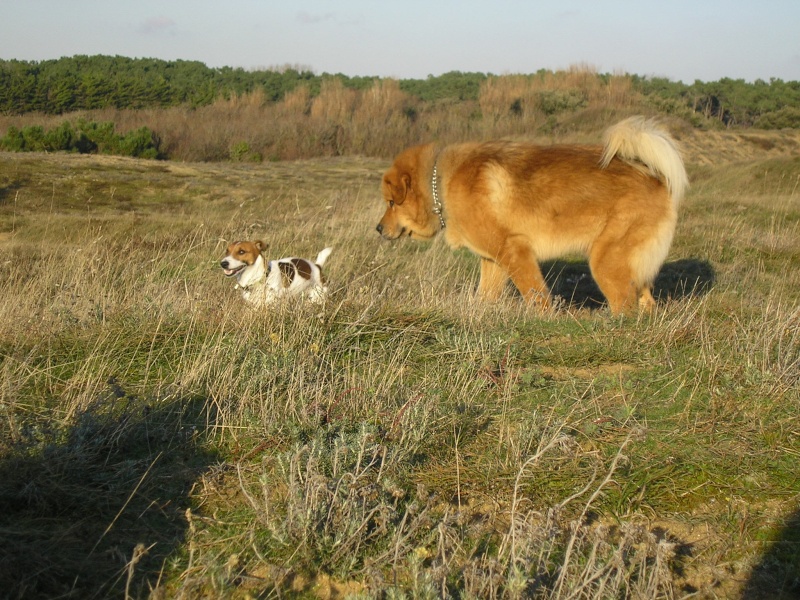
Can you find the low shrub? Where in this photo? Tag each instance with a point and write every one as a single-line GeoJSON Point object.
{"type": "Point", "coordinates": [85, 137]}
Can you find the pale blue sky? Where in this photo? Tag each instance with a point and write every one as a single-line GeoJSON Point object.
{"type": "Point", "coordinates": [679, 39]}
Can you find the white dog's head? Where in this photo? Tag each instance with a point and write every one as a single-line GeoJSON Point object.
{"type": "Point", "coordinates": [240, 256]}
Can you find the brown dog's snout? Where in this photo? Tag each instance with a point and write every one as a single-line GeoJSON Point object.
{"type": "Point", "coordinates": [379, 228]}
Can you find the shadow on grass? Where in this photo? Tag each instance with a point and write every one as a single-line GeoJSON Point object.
{"type": "Point", "coordinates": [777, 575]}
{"type": "Point", "coordinates": [94, 511]}
{"type": "Point", "coordinates": [9, 192]}
{"type": "Point", "coordinates": [573, 281]}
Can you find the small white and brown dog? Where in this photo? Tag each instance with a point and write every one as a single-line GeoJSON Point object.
{"type": "Point", "coordinates": [263, 282]}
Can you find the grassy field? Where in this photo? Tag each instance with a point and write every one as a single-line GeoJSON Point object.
{"type": "Point", "coordinates": [158, 439]}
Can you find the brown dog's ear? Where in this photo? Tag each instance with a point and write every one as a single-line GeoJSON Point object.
{"type": "Point", "coordinates": [401, 188]}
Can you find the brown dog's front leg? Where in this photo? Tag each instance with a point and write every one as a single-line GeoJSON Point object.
{"type": "Point", "coordinates": [533, 288]}
{"type": "Point", "coordinates": [493, 280]}
{"type": "Point", "coordinates": [521, 264]}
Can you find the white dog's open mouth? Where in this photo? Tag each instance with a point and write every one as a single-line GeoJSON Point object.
{"type": "Point", "coordinates": [231, 272]}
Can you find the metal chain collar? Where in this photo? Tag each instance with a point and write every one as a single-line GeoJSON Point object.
{"type": "Point", "coordinates": [437, 203]}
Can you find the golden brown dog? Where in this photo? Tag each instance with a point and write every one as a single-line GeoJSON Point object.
{"type": "Point", "coordinates": [516, 204]}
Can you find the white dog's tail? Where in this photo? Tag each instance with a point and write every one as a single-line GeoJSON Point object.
{"type": "Point", "coordinates": [642, 140]}
{"type": "Point", "coordinates": [323, 256]}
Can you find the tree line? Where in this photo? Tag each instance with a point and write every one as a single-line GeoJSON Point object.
{"type": "Point", "coordinates": [94, 82]}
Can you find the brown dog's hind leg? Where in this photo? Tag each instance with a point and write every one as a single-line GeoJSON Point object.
{"type": "Point", "coordinates": [646, 301]}
{"type": "Point", "coordinates": [612, 273]}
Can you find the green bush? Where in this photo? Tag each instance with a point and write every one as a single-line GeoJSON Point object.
{"type": "Point", "coordinates": [14, 140]}
{"type": "Point", "coordinates": [85, 138]}
{"type": "Point", "coordinates": [60, 138]}
{"type": "Point", "coordinates": [101, 134]}
{"type": "Point", "coordinates": [141, 143]}
{"type": "Point", "coordinates": [784, 118]}
{"type": "Point", "coordinates": [555, 101]}
{"type": "Point", "coordinates": [34, 138]}
{"type": "Point", "coordinates": [242, 152]}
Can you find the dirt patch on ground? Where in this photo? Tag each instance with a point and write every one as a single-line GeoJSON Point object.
{"type": "Point", "coordinates": [567, 373]}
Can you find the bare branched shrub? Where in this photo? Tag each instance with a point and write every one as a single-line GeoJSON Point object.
{"type": "Point", "coordinates": [334, 104]}
{"type": "Point", "coordinates": [507, 95]}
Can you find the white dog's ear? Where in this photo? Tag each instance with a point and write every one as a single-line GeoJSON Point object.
{"type": "Point", "coordinates": [260, 245]}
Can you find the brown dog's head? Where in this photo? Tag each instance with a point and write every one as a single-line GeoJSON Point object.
{"type": "Point", "coordinates": [406, 190]}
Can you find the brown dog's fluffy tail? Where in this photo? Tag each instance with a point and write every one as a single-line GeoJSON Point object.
{"type": "Point", "coordinates": [642, 140]}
